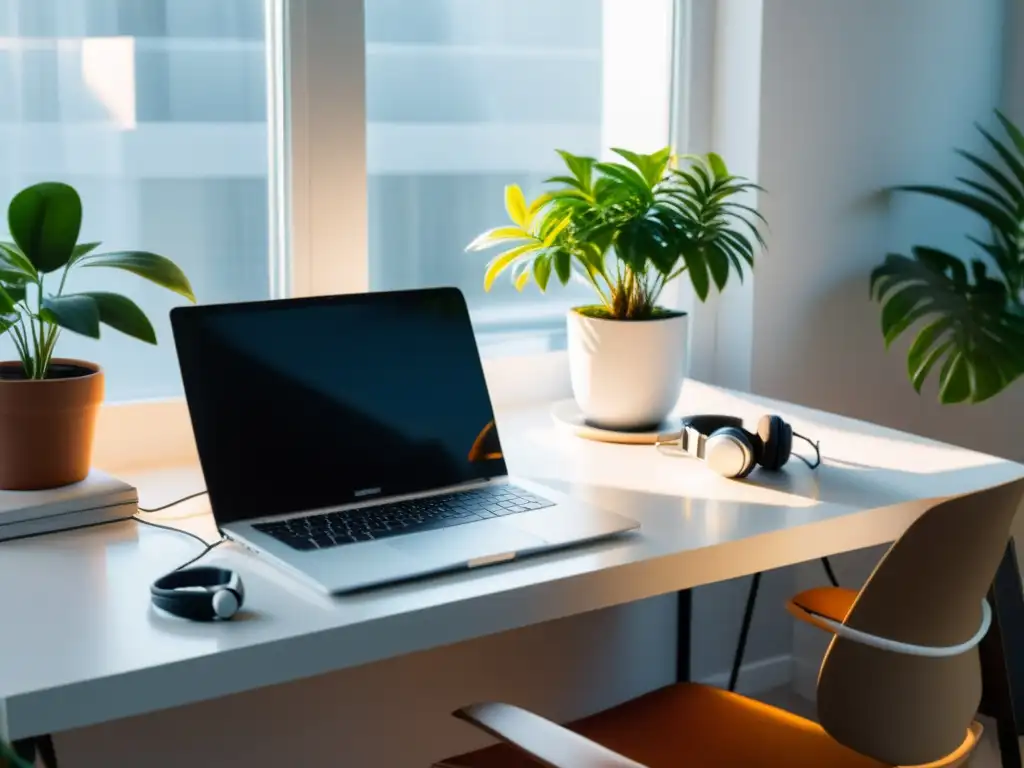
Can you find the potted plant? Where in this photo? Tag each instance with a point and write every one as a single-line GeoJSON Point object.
{"type": "Point", "coordinates": [969, 312]}
{"type": "Point", "coordinates": [48, 405]}
{"type": "Point", "coordinates": [627, 229]}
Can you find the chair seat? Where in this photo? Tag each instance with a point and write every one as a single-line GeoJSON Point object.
{"type": "Point", "coordinates": [695, 726]}
{"type": "Point", "coordinates": [831, 602]}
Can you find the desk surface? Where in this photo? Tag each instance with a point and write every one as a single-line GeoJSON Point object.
{"type": "Point", "coordinates": [81, 645]}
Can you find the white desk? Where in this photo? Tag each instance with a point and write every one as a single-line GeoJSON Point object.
{"type": "Point", "coordinates": [80, 644]}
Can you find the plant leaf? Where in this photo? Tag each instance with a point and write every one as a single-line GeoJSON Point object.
{"type": "Point", "coordinates": [153, 267]}
{"type": "Point", "coordinates": [503, 260]}
{"type": "Point", "coordinates": [16, 292]}
{"type": "Point", "coordinates": [1011, 160]}
{"type": "Point", "coordinates": [928, 358]}
{"type": "Point", "coordinates": [651, 167]}
{"type": "Point", "coordinates": [75, 312]}
{"type": "Point", "coordinates": [1012, 131]}
{"type": "Point", "coordinates": [717, 165]}
{"type": "Point", "coordinates": [44, 221]}
{"type": "Point", "coordinates": [542, 271]}
{"type": "Point", "coordinates": [581, 168]}
{"type": "Point", "coordinates": [1000, 178]}
{"type": "Point", "coordinates": [627, 176]}
{"type": "Point", "coordinates": [13, 276]}
{"type": "Point", "coordinates": [697, 268]}
{"type": "Point", "coordinates": [12, 257]}
{"type": "Point", "coordinates": [718, 264]}
{"type": "Point", "coordinates": [497, 235]}
{"type": "Point", "coordinates": [522, 279]}
{"type": "Point", "coordinates": [994, 195]}
{"type": "Point", "coordinates": [6, 301]}
{"type": "Point", "coordinates": [515, 206]}
{"type": "Point", "coordinates": [995, 216]}
{"type": "Point", "coordinates": [551, 236]}
{"type": "Point", "coordinates": [81, 250]}
{"type": "Point", "coordinates": [539, 202]}
{"type": "Point", "coordinates": [955, 386]}
{"type": "Point", "coordinates": [969, 324]}
{"type": "Point", "coordinates": [563, 266]}
{"type": "Point", "coordinates": [123, 314]}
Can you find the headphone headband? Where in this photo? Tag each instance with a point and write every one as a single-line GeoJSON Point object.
{"type": "Point", "coordinates": [706, 423]}
{"type": "Point", "coordinates": [693, 439]}
{"type": "Point", "coordinates": [203, 593]}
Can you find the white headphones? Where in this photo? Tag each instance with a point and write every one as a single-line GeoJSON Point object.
{"type": "Point", "coordinates": [732, 451]}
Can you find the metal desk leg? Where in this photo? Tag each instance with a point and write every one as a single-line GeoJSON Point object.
{"type": "Point", "coordinates": [683, 624]}
{"type": "Point", "coordinates": [1002, 659]}
{"type": "Point", "coordinates": [741, 644]}
{"type": "Point", "coordinates": [34, 747]}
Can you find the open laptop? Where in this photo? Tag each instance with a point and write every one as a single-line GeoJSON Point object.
{"type": "Point", "coordinates": [352, 439]}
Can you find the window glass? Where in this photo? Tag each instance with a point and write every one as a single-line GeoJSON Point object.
{"type": "Point", "coordinates": [467, 96]}
{"type": "Point", "coordinates": [155, 111]}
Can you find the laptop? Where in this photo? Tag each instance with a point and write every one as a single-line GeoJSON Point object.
{"type": "Point", "coordinates": [351, 440]}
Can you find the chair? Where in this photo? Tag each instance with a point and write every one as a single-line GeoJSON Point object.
{"type": "Point", "coordinates": [899, 686]}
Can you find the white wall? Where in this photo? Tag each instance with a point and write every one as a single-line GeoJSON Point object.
{"type": "Point", "coordinates": [854, 97]}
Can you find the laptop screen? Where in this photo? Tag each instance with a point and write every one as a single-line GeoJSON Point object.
{"type": "Point", "coordinates": [308, 403]}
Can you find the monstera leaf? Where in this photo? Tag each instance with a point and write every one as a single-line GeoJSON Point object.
{"type": "Point", "coordinates": [972, 320]}
{"type": "Point", "coordinates": [970, 323]}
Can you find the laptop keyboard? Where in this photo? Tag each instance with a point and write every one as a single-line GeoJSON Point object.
{"type": "Point", "coordinates": [333, 529]}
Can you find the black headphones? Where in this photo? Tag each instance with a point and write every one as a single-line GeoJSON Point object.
{"type": "Point", "coordinates": [732, 451]}
{"type": "Point", "coordinates": [203, 593]}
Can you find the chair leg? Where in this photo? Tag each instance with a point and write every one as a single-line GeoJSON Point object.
{"type": "Point", "coordinates": [829, 572]}
{"type": "Point", "coordinates": [741, 645]}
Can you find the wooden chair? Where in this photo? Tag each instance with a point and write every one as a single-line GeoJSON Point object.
{"type": "Point", "coordinates": [899, 686]}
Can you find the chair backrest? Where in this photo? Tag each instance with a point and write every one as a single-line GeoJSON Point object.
{"type": "Point", "coordinates": [927, 590]}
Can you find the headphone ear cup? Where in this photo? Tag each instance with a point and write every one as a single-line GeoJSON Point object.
{"type": "Point", "coordinates": [730, 452]}
{"type": "Point", "coordinates": [785, 442]}
{"type": "Point", "coordinates": [777, 438]}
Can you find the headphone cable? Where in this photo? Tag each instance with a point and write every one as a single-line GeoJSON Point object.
{"type": "Point", "coordinates": [207, 545]}
{"type": "Point", "coordinates": [174, 503]}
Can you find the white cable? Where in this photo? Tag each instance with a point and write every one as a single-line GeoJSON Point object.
{"type": "Point", "coordinates": [895, 646]}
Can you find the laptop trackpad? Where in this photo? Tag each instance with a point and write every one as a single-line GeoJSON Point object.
{"type": "Point", "coordinates": [464, 543]}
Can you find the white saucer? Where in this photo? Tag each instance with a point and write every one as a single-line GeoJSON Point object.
{"type": "Point", "coordinates": [568, 417]}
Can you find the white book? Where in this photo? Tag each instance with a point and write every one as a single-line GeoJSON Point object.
{"type": "Point", "coordinates": [100, 498]}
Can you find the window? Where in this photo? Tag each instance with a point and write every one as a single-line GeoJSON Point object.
{"type": "Point", "coordinates": [294, 147]}
{"type": "Point", "coordinates": [156, 111]}
{"type": "Point", "coordinates": [466, 96]}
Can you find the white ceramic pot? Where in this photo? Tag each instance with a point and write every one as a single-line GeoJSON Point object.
{"type": "Point", "coordinates": [626, 374]}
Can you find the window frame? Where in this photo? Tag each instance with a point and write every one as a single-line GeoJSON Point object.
{"type": "Point", "coordinates": [319, 202]}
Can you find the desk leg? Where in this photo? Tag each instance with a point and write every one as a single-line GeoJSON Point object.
{"type": "Point", "coordinates": [1002, 659]}
{"type": "Point", "coordinates": [683, 622]}
{"type": "Point", "coordinates": [40, 747]}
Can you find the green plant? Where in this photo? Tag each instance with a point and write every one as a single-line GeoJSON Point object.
{"type": "Point", "coordinates": [44, 222]}
{"type": "Point", "coordinates": [971, 309]}
{"type": "Point", "coordinates": [8, 758]}
{"type": "Point", "coordinates": [627, 229]}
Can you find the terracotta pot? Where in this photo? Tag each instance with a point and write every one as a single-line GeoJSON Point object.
{"type": "Point", "coordinates": [46, 427]}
